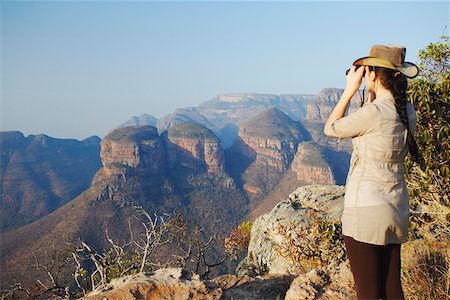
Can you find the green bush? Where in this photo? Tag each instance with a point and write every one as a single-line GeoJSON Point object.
{"type": "Point", "coordinates": [426, 265]}
{"type": "Point", "coordinates": [430, 189]}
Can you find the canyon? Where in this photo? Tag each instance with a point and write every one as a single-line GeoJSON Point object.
{"type": "Point", "coordinates": [181, 163]}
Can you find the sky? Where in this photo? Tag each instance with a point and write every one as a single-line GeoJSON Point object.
{"type": "Point", "coordinates": [73, 69]}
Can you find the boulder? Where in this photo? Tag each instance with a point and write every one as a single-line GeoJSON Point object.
{"type": "Point", "coordinates": [175, 283]}
{"type": "Point", "coordinates": [270, 232]}
{"type": "Point", "coordinates": [167, 283]}
{"type": "Point", "coordinates": [278, 239]}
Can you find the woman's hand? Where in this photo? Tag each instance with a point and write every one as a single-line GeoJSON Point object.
{"type": "Point", "coordinates": [354, 79]}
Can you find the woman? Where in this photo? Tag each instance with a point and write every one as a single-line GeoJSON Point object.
{"type": "Point", "coordinates": [375, 216]}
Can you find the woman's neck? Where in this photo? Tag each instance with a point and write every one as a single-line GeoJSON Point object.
{"type": "Point", "coordinates": [381, 91]}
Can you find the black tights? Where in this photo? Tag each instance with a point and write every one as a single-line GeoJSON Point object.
{"type": "Point", "coordinates": [376, 269]}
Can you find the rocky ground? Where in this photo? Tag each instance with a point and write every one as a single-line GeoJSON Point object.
{"type": "Point", "coordinates": [267, 272]}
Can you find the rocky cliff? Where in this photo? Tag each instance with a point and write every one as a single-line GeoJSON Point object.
{"type": "Point", "coordinates": [317, 113]}
{"type": "Point", "coordinates": [301, 236]}
{"type": "Point", "coordinates": [320, 109]}
{"type": "Point", "coordinates": [238, 108]}
{"type": "Point", "coordinates": [135, 150]}
{"type": "Point", "coordinates": [311, 166]}
{"type": "Point", "coordinates": [194, 146]}
{"type": "Point", "coordinates": [273, 136]}
{"type": "Point", "coordinates": [262, 155]}
{"type": "Point", "coordinates": [139, 150]}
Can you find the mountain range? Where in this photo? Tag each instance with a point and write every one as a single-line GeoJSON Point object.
{"type": "Point", "coordinates": [39, 174]}
{"type": "Point", "coordinates": [228, 160]}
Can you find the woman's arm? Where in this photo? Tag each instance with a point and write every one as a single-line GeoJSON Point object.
{"type": "Point", "coordinates": [354, 79]}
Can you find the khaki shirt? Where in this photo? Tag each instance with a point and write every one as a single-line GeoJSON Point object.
{"type": "Point", "coordinates": [376, 206]}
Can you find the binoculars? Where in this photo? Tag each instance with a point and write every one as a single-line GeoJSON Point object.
{"type": "Point", "coordinates": [364, 73]}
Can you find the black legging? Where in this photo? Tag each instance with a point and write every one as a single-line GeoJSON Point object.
{"type": "Point", "coordinates": [376, 269]}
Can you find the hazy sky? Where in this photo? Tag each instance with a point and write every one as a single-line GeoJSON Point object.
{"type": "Point", "coordinates": [76, 69]}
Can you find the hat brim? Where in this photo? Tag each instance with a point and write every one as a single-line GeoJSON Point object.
{"type": "Point", "coordinates": [408, 69]}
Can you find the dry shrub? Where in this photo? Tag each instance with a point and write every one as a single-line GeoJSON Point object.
{"type": "Point", "coordinates": [426, 270]}
{"type": "Point", "coordinates": [237, 242]}
{"type": "Point", "coordinates": [315, 246]}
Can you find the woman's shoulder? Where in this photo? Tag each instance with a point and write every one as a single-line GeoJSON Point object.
{"type": "Point", "coordinates": [370, 107]}
{"type": "Point", "coordinates": [368, 111]}
{"type": "Point", "coordinates": [386, 106]}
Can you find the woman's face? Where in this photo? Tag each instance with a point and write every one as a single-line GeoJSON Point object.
{"type": "Point", "coordinates": [369, 77]}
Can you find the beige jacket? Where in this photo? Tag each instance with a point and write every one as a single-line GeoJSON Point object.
{"type": "Point", "coordinates": [376, 205]}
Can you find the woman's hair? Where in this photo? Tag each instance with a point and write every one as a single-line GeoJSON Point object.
{"type": "Point", "coordinates": [397, 83]}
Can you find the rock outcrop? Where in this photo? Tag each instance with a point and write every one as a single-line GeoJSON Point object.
{"type": "Point", "coordinates": [175, 283]}
{"type": "Point", "coordinates": [139, 150]}
{"type": "Point", "coordinates": [277, 237]}
{"type": "Point", "coordinates": [317, 113]}
{"type": "Point", "coordinates": [273, 136]}
{"type": "Point", "coordinates": [263, 152]}
{"type": "Point", "coordinates": [135, 150]}
{"type": "Point", "coordinates": [266, 238]}
{"type": "Point", "coordinates": [319, 110]}
{"type": "Point", "coordinates": [310, 165]}
{"type": "Point", "coordinates": [163, 284]}
{"type": "Point", "coordinates": [194, 146]}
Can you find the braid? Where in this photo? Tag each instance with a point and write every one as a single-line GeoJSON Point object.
{"type": "Point", "coordinates": [398, 84]}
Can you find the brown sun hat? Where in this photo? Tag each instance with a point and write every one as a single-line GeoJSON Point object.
{"type": "Point", "coordinates": [391, 57]}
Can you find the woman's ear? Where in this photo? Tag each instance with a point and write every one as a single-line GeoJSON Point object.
{"type": "Point", "coordinates": [372, 75]}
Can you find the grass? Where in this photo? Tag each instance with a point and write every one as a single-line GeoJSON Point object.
{"type": "Point", "coordinates": [426, 270]}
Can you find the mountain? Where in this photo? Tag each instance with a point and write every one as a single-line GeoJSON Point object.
{"type": "Point", "coordinates": [317, 115]}
{"type": "Point", "coordinates": [143, 119]}
{"type": "Point", "coordinates": [181, 169]}
{"type": "Point", "coordinates": [183, 165]}
{"type": "Point", "coordinates": [183, 115]}
{"type": "Point", "coordinates": [39, 174]}
{"type": "Point", "coordinates": [263, 151]}
{"type": "Point", "coordinates": [194, 146]}
{"type": "Point", "coordinates": [273, 136]}
{"type": "Point", "coordinates": [312, 164]}
{"type": "Point", "coordinates": [224, 113]}
{"type": "Point", "coordinates": [237, 108]}
{"type": "Point", "coordinates": [135, 150]}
